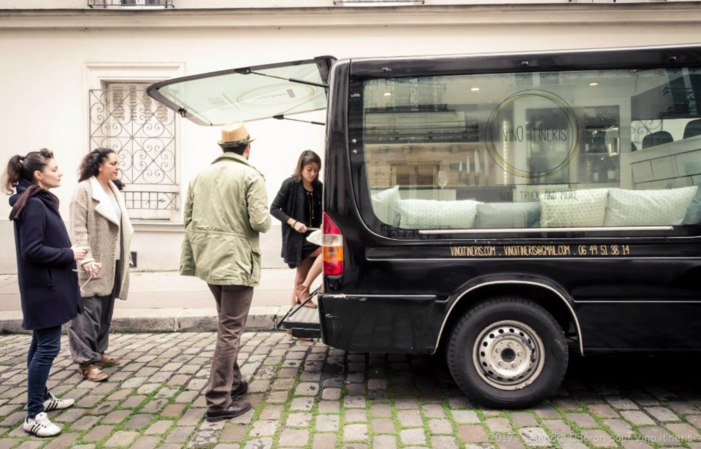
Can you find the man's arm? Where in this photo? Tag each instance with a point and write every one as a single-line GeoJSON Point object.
{"type": "Point", "coordinates": [187, 259]}
{"type": "Point", "coordinates": [187, 214]}
{"type": "Point", "coordinates": [257, 200]}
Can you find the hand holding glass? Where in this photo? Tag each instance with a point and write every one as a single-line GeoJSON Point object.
{"type": "Point", "coordinates": [92, 268]}
{"type": "Point", "coordinates": [79, 252]}
{"type": "Point", "coordinates": [300, 227]}
{"type": "Point", "coordinates": [92, 271]}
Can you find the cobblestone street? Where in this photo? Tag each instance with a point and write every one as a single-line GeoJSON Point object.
{"type": "Point", "coordinates": [309, 395]}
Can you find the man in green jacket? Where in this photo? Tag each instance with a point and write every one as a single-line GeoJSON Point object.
{"type": "Point", "coordinates": [226, 209]}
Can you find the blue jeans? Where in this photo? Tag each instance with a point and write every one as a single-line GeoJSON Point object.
{"type": "Point", "coordinates": [42, 351]}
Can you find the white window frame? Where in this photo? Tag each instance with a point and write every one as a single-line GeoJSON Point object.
{"type": "Point", "coordinates": [98, 74]}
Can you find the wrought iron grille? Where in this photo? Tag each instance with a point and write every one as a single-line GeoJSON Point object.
{"type": "Point", "coordinates": [130, 3]}
{"type": "Point", "coordinates": [641, 128]}
{"type": "Point", "coordinates": [142, 132]}
{"type": "Point", "coordinates": [151, 200]}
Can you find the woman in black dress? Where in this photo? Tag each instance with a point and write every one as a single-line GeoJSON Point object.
{"type": "Point", "coordinates": [298, 206]}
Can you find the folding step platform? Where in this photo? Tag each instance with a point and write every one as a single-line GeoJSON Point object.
{"type": "Point", "coordinates": [302, 321]}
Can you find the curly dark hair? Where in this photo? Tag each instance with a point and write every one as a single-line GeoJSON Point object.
{"type": "Point", "coordinates": [90, 166]}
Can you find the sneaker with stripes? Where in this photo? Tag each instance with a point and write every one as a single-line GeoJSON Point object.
{"type": "Point", "coordinates": [54, 403]}
{"type": "Point", "coordinates": [41, 426]}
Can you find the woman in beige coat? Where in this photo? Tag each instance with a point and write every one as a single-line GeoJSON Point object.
{"type": "Point", "coordinates": [98, 220]}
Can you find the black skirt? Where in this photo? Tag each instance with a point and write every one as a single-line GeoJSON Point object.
{"type": "Point", "coordinates": [308, 247]}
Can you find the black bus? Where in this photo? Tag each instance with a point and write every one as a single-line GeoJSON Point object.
{"type": "Point", "coordinates": [505, 207]}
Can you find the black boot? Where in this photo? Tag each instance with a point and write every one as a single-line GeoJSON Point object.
{"type": "Point", "coordinates": [232, 411]}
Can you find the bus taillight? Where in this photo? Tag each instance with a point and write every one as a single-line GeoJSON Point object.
{"type": "Point", "coordinates": [333, 248]}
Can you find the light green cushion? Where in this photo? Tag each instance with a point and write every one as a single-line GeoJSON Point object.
{"type": "Point", "coordinates": [573, 209]}
{"type": "Point", "coordinates": [507, 215]}
{"type": "Point", "coordinates": [386, 205]}
{"type": "Point", "coordinates": [648, 207]}
{"type": "Point", "coordinates": [693, 213]}
{"type": "Point", "coordinates": [430, 214]}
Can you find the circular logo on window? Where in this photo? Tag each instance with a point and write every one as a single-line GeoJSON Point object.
{"type": "Point", "coordinates": [277, 94]}
{"type": "Point", "coordinates": [533, 133]}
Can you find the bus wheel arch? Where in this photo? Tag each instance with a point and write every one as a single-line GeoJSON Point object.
{"type": "Point", "coordinates": [541, 294]}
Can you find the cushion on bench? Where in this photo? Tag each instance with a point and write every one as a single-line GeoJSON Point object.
{"type": "Point", "coordinates": [648, 207]}
{"type": "Point", "coordinates": [693, 213]}
{"type": "Point", "coordinates": [584, 208]}
{"type": "Point", "coordinates": [430, 214]}
{"type": "Point", "coordinates": [507, 215]}
{"type": "Point", "coordinates": [386, 205]}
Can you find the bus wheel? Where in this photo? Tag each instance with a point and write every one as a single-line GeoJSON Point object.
{"type": "Point", "coordinates": [508, 353]}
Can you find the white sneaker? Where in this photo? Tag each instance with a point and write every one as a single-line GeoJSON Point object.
{"type": "Point", "coordinates": [41, 426]}
{"type": "Point", "coordinates": [54, 403]}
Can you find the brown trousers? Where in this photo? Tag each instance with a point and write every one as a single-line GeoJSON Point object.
{"type": "Point", "coordinates": [233, 304]}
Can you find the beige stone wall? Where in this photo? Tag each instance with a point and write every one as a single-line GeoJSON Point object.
{"type": "Point", "coordinates": [45, 59]}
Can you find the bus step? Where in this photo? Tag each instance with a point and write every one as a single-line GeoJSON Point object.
{"type": "Point", "coordinates": [302, 319]}
{"type": "Point", "coordinates": [306, 333]}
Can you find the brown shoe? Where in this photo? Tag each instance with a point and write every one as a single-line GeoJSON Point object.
{"type": "Point", "coordinates": [302, 294]}
{"type": "Point", "coordinates": [91, 372]}
{"type": "Point", "coordinates": [108, 361]}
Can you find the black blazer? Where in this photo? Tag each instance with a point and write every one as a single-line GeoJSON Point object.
{"type": "Point", "coordinates": [47, 285]}
{"type": "Point", "coordinates": [289, 202]}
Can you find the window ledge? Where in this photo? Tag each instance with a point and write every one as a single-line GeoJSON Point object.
{"type": "Point", "coordinates": [158, 226]}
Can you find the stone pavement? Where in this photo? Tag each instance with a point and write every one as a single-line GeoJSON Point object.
{"type": "Point", "coordinates": [307, 395]}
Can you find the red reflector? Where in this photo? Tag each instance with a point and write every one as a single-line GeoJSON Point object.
{"type": "Point", "coordinates": [333, 268]}
{"type": "Point", "coordinates": [330, 227]}
{"type": "Point", "coordinates": [333, 248]}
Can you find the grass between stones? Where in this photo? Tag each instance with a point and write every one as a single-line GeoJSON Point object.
{"type": "Point", "coordinates": [406, 385]}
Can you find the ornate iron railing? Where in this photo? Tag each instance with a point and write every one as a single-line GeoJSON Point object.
{"type": "Point", "coordinates": [641, 128]}
{"type": "Point", "coordinates": [151, 200]}
{"type": "Point", "coordinates": [142, 132]}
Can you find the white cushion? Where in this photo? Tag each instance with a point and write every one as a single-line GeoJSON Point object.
{"type": "Point", "coordinates": [385, 204]}
{"type": "Point", "coordinates": [648, 207]}
{"type": "Point", "coordinates": [573, 208]}
{"type": "Point", "coordinates": [430, 214]}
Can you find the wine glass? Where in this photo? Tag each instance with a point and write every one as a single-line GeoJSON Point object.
{"type": "Point", "coordinates": [442, 181]}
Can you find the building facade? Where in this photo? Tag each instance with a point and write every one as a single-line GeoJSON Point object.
{"type": "Point", "coordinates": [72, 78]}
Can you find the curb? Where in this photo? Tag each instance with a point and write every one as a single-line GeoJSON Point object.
{"type": "Point", "coordinates": [164, 320]}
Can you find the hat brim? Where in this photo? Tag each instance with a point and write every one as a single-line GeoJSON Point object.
{"type": "Point", "coordinates": [236, 143]}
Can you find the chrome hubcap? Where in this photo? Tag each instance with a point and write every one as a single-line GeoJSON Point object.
{"type": "Point", "coordinates": [508, 355]}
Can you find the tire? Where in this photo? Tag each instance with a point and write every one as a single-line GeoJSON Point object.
{"type": "Point", "coordinates": [524, 356]}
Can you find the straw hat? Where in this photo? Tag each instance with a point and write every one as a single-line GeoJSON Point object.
{"type": "Point", "coordinates": [234, 134]}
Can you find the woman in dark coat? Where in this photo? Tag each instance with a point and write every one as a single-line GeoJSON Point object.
{"type": "Point", "coordinates": [48, 282]}
{"type": "Point", "coordinates": [298, 206]}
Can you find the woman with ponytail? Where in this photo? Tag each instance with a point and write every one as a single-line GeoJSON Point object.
{"type": "Point", "coordinates": [47, 282]}
{"type": "Point", "coordinates": [99, 221]}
